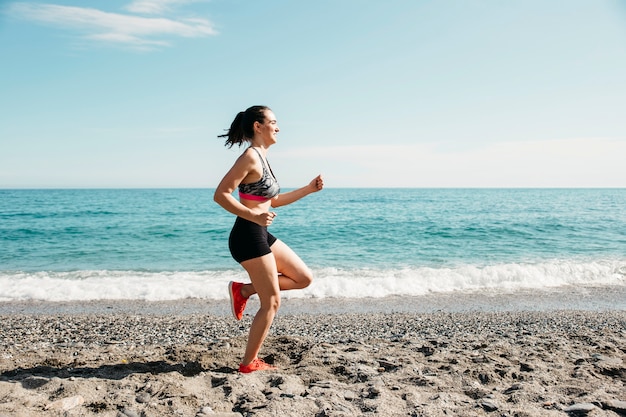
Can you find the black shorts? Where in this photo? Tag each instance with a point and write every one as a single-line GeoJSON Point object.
{"type": "Point", "coordinates": [249, 240]}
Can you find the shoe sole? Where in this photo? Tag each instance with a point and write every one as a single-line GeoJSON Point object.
{"type": "Point", "coordinates": [232, 299]}
{"type": "Point", "coordinates": [270, 368]}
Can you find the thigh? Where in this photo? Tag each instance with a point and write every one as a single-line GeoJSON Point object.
{"type": "Point", "coordinates": [264, 276]}
{"type": "Point", "coordinates": [288, 262]}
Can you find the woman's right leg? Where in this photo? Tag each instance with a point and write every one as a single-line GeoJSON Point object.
{"type": "Point", "coordinates": [264, 277]}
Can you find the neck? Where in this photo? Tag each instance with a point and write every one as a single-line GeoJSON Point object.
{"type": "Point", "coordinates": [261, 146]}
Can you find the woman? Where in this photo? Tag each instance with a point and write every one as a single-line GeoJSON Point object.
{"type": "Point", "coordinates": [270, 263]}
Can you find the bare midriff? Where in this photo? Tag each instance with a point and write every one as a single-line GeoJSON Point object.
{"type": "Point", "coordinates": [257, 206]}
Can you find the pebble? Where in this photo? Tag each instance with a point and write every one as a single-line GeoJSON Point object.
{"type": "Point", "coordinates": [143, 398]}
{"type": "Point", "coordinates": [127, 412]}
{"type": "Point", "coordinates": [513, 388]}
{"type": "Point", "coordinates": [524, 367]}
{"type": "Point", "coordinates": [616, 405]}
{"type": "Point", "coordinates": [581, 408]}
{"type": "Point", "coordinates": [66, 404]}
{"type": "Point", "coordinates": [225, 415]}
{"type": "Point", "coordinates": [489, 405]}
{"type": "Point", "coordinates": [349, 395]}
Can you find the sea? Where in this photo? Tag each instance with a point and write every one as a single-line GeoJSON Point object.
{"type": "Point", "coordinates": [171, 244]}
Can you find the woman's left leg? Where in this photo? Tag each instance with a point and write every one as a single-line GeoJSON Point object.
{"type": "Point", "coordinates": [294, 274]}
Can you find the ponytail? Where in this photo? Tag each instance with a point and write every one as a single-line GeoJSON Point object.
{"type": "Point", "coordinates": [242, 128]}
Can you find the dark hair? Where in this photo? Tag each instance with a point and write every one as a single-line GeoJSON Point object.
{"type": "Point", "coordinates": [242, 128]}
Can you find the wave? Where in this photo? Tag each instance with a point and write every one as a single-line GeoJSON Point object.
{"type": "Point", "coordinates": [328, 283]}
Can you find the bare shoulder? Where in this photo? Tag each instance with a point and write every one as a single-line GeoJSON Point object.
{"type": "Point", "coordinates": [247, 158]}
{"type": "Point", "coordinates": [248, 153]}
{"type": "Point", "coordinates": [248, 165]}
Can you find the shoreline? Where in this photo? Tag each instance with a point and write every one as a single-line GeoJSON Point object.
{"type": "Point", "coordinates": [582, 298]}
{"type": "Point", "coordinates": [441, 363]}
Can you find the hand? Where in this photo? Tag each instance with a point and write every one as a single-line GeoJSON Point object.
{"type": "Point", "coordinates": [265, 219]}
{"type": "Point", "coordinates": [317, 183]}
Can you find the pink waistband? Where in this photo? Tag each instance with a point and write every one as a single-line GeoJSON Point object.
{"type": "Point", "coordinates": [252, 197]}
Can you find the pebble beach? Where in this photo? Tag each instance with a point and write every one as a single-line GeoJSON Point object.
{"type": "Point", "coordinates": [130, 359]}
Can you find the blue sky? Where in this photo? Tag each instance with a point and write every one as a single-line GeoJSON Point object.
{"type": "Point", "coordinates": [370, 94]}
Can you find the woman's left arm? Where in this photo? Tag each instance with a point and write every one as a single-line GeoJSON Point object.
{"type": "Point", "coordinates": [289, 197]}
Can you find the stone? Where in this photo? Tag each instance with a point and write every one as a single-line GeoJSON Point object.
{"type": "Point", "coordinates": [34, 382]}
{"type": "Point", "coordinates": [226, 415]}
{"type": "Point", "coordinates": [488, 405]}
{"type": "Point", "coordinates": [349, 395]}
{"type": "Point", "coordinates": [580, 409]}
{"type": "Point", "coordinates": [206, 410]}
{"type": "Point", "coordinates": [127, 412]}
{"type": "Point", "coordinates": [524, 367]}
{"type": "Point", "coordinates": [66, 404]}
{"type": "Point", "coordinates": [616, 405]}
{"type": "Point", "coordinates": [513, 388]}
{"type": "Point", "coordinates": [143, 398]}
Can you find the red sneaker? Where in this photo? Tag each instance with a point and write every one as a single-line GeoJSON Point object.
{"type": "Point", "coordinates": [237, 301]}
{"type": "Point", "coordinates": [256, 365]}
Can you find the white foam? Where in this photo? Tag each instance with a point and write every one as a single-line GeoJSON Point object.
{"type": "Point", "coordinates": [329, 282]}
{"type": "Point", "coordinates": [503, 277]}
{"type": "Point", "coordinates": [115, 285]}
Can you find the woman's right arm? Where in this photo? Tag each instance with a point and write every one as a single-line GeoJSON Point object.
{"type": "Point", "coordinates": [224, 192]}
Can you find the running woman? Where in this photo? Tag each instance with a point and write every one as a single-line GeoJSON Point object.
{"type": "Point", "coordinates": [271, 265]}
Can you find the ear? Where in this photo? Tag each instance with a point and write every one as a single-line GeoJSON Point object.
{"type": "Point", "coordinates": [256, 126]}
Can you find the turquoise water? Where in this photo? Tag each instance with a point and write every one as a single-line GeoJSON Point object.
{"type": "Point", "coordinates": [172, 243]}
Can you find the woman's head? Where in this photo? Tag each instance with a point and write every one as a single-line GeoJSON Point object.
{"type": "Point", "coordinates": [242, 128]}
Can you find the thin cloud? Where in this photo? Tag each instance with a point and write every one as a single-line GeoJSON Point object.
{"type": "Point", "coordinates": [155, 6]}
{"type": "Point", "coordinates": [135, 31]}
{"type": "Point", "coordinates": [577, 162]}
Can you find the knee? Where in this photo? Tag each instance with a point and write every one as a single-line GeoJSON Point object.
{"type": "Point", "coordinates": [272, 304]}
{"type": "Point", "coordinates": [275, 303]}
{"type": "Point", "coordinates": [306, 278]}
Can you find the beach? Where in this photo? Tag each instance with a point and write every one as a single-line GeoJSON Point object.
{"type": "Point", "coordinates": [125, 358]}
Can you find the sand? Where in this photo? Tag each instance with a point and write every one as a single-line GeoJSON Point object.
{"type": "Point", "coordinates": [77, 360]}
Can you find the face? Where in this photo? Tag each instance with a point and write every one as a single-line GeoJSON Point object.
{"type": "Point", "coordinates": [268, 129]}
